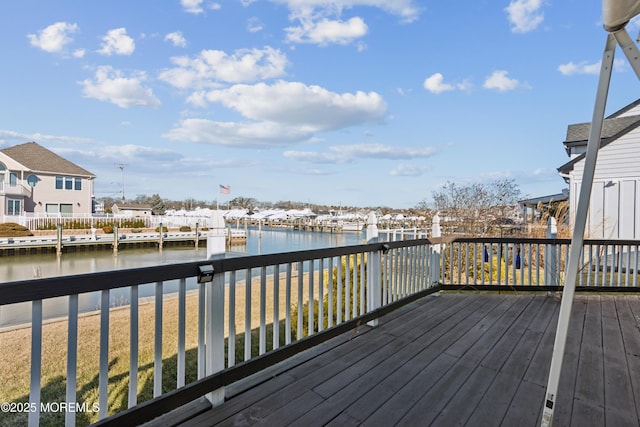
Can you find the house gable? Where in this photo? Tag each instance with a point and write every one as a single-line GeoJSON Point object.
{"type": "Point", "coordinates": [614, 211]}
{"type": "Point", "coordinates": [34, 157]}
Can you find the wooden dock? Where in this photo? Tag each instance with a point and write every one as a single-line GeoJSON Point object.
{"type": "Point", "coordinates": [83, 242]}
{"type": "Point", "coordinates": [454, 359]}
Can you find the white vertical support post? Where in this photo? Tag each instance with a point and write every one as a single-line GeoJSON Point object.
{"type": "Point", "coordinates": [133, 347]}
{"type": "Point", "coordinates": [262, 343]}
{"type": "Point", "coordinates": [72, 358]}
{"type": "Point", "coordinates": [103, 375]}
{"type": "Point", "coordinates": [215, 308]}
{"type": "Point", "coordinates": [577, 241]}
{"type": "Point", "coordinates": [551, 255]}
{"type": "Point", "coordinates": [231, 347]}
{"type": "Point", "coordinates": [202, 349]}
{"type": "Point", "coordinates": [157, 342]}
{"type": "Point", "coordinates": [276, 306]}
{"type": "Point", "coordinates": [36, 362]}
{"type": "Point", "coordinates": [374, 273]}
{"type": "Point", "coordinates": [436, 233]}
{"type": "Point", "coordinates": [181, 359]}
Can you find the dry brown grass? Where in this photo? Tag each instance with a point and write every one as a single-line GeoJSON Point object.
{"type": "Point", "coordinates": [15, 349]}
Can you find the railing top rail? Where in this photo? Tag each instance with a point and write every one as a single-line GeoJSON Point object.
{"type": "Point", "coordinates": [526, 240]}
{"type": "Point", "coordinates": [36, 289]}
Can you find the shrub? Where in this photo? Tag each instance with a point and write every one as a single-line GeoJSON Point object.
{"type": "Point", "coordinates": [185, 228]}
{"type": "Point", "coordinates": [108, 228]}
{"type": "Point", "coordinates": [11, 229]}
{"type": "Point", "coordinates": [164, 229]}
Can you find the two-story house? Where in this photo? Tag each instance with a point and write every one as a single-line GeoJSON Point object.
{"type": "Point", "coordinates": [36, 180]}
{"type": "Point", "coordinates": [614, 209]}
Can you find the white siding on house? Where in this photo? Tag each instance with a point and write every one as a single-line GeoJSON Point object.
{"type": "Point", "coordinates": [613, 211]}
{"type": "Point", "coordinates": [633, 112]}
{"type": "Point", "coordinates": [628, 207]}
{"type": "Point", "coordinates": [620, 159]}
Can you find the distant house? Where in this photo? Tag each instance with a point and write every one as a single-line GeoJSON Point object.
{"type": "Point", "coordinates": [34, 179]}
{"type": "Point", "coordinates": [614, 210]}
{"type": "Point", "coordinates": [135, 211]}
{"type": "Point", "coordinates": [534, 209]}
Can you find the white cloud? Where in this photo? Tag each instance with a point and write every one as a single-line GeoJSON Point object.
{"type": "Point", "coordinates": [349, 153]}
{"type": "Point", "coordinates": [192, 6]}
{"type": "Point", "coordinates": [242, 135]}
{"type": "Point", "coordinates": [321, 22]}
{"type": "Point", "coordinates": [110, 85]}
{"type": "Point", "coordinates": [524, 15]}
{"type": "Point", "coordinates": [212, 66]}
{"type": "Point", "coordinates": [325, 31]}
{"type": "Point", "coordinates": [500, 82]}
{"type": "Point", "coordinates": [197, 6]}
{"type": "Point", "coordinates": [571, 68]}
{"type": "Point", "coordinates": [176, 38]}
{"type": "Point", "coordinates": [254, 25]}
{"type": "Point", "coordinates": [117, 42]}
{"type": "Point", "coordinates": [280, 114]}
{"type": "Point", "coordinates": [14, 137]}
{"type": "Point", "coordinates": [435, 84]}
{"type": "Point", "coordinates": [54, 37]}
{"type": "Point", "coordinates": [79, 53]}
{"type": "Point", "coordinates": [297, 104]}
{"type": "Point", "coordinates": [407, 10]}
{"type": "Point", "coordinates": [406, 169]}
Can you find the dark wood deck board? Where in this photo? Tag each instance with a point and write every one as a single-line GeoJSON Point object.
{"type": "Point", "coordinates": [460, 359]}
{"type": "Point", "coordinates": [590, 379]}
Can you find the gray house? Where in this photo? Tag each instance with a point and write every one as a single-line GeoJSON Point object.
{"type": "Point", "coordinates": [614, 210]}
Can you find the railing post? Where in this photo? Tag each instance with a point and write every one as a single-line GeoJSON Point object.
{"type": "Point", "coordinates": [59, 240]}
{"type": "Point", "coordinates": [550, 255]}
{"type": "Point", "coordinates": [434, 265]}
{"type": "Point", "coordinates": [115, 239]}
{"type": "Point", "coordinates": [374, 272]}
{"type": "Point", "coordinates": [214, 336]}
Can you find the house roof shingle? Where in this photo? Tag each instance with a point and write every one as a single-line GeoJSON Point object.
{"type": "Point", "coordinates": [580, 132]}
{"type": "Point", "coordinates": [612, 129]}
{"type": "Point", "coordinates": [39, 159]}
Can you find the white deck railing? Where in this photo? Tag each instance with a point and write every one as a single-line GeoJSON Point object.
{"type": "Point", "coordinates": [250, 307]}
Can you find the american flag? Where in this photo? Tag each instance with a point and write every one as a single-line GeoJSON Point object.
{"type": "Point", "coordinates": [225, 189]}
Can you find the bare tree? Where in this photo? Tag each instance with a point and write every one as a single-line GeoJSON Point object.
{"type": "Point", "coordinates": [472, 207]}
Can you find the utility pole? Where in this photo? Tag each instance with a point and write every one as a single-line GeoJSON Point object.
{"type": "Point", "coordinates": [121, 166]}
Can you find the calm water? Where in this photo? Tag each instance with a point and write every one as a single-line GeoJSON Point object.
{"type": "Point", "coordinates": [25, 267]}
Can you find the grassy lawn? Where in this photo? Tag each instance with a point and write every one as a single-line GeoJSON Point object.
{"type": "Point", "coordinates": [15, 349]}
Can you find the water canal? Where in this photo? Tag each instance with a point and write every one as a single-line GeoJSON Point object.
{"type": "Point", "coordinates": [26, 267]}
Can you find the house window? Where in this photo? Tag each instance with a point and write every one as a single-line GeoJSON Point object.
{"type": "Point", "coordinates": [68, 183]}
{"type": "Point", "coordinates": [66, 209]}
{"type": "Point", "coordinates": [13, 179]}
{"type": "Point", "coordinates": [14, 207]}
{"type": "Point", "coordinates": [52, 209]}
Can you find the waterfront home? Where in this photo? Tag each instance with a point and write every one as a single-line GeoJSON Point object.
{"type": "Point", "coordinates": [35, 180]}
{"type": "Point", "coordinates": [614, 212]}
{"type": "Point", "coordinates": [132, 210]}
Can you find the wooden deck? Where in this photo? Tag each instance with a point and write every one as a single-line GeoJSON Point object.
{"type": "Point", "coordinates": [456, 359]}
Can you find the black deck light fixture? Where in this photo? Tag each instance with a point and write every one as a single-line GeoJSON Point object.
{"type": "Point", "coordinates": [205, 274]}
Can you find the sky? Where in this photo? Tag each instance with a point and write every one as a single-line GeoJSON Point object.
{"type": "Point", "coordinates": [335, 102]}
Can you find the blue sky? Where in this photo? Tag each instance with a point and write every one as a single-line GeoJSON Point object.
{"type": "Point", "coordinates": [352, 102]}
